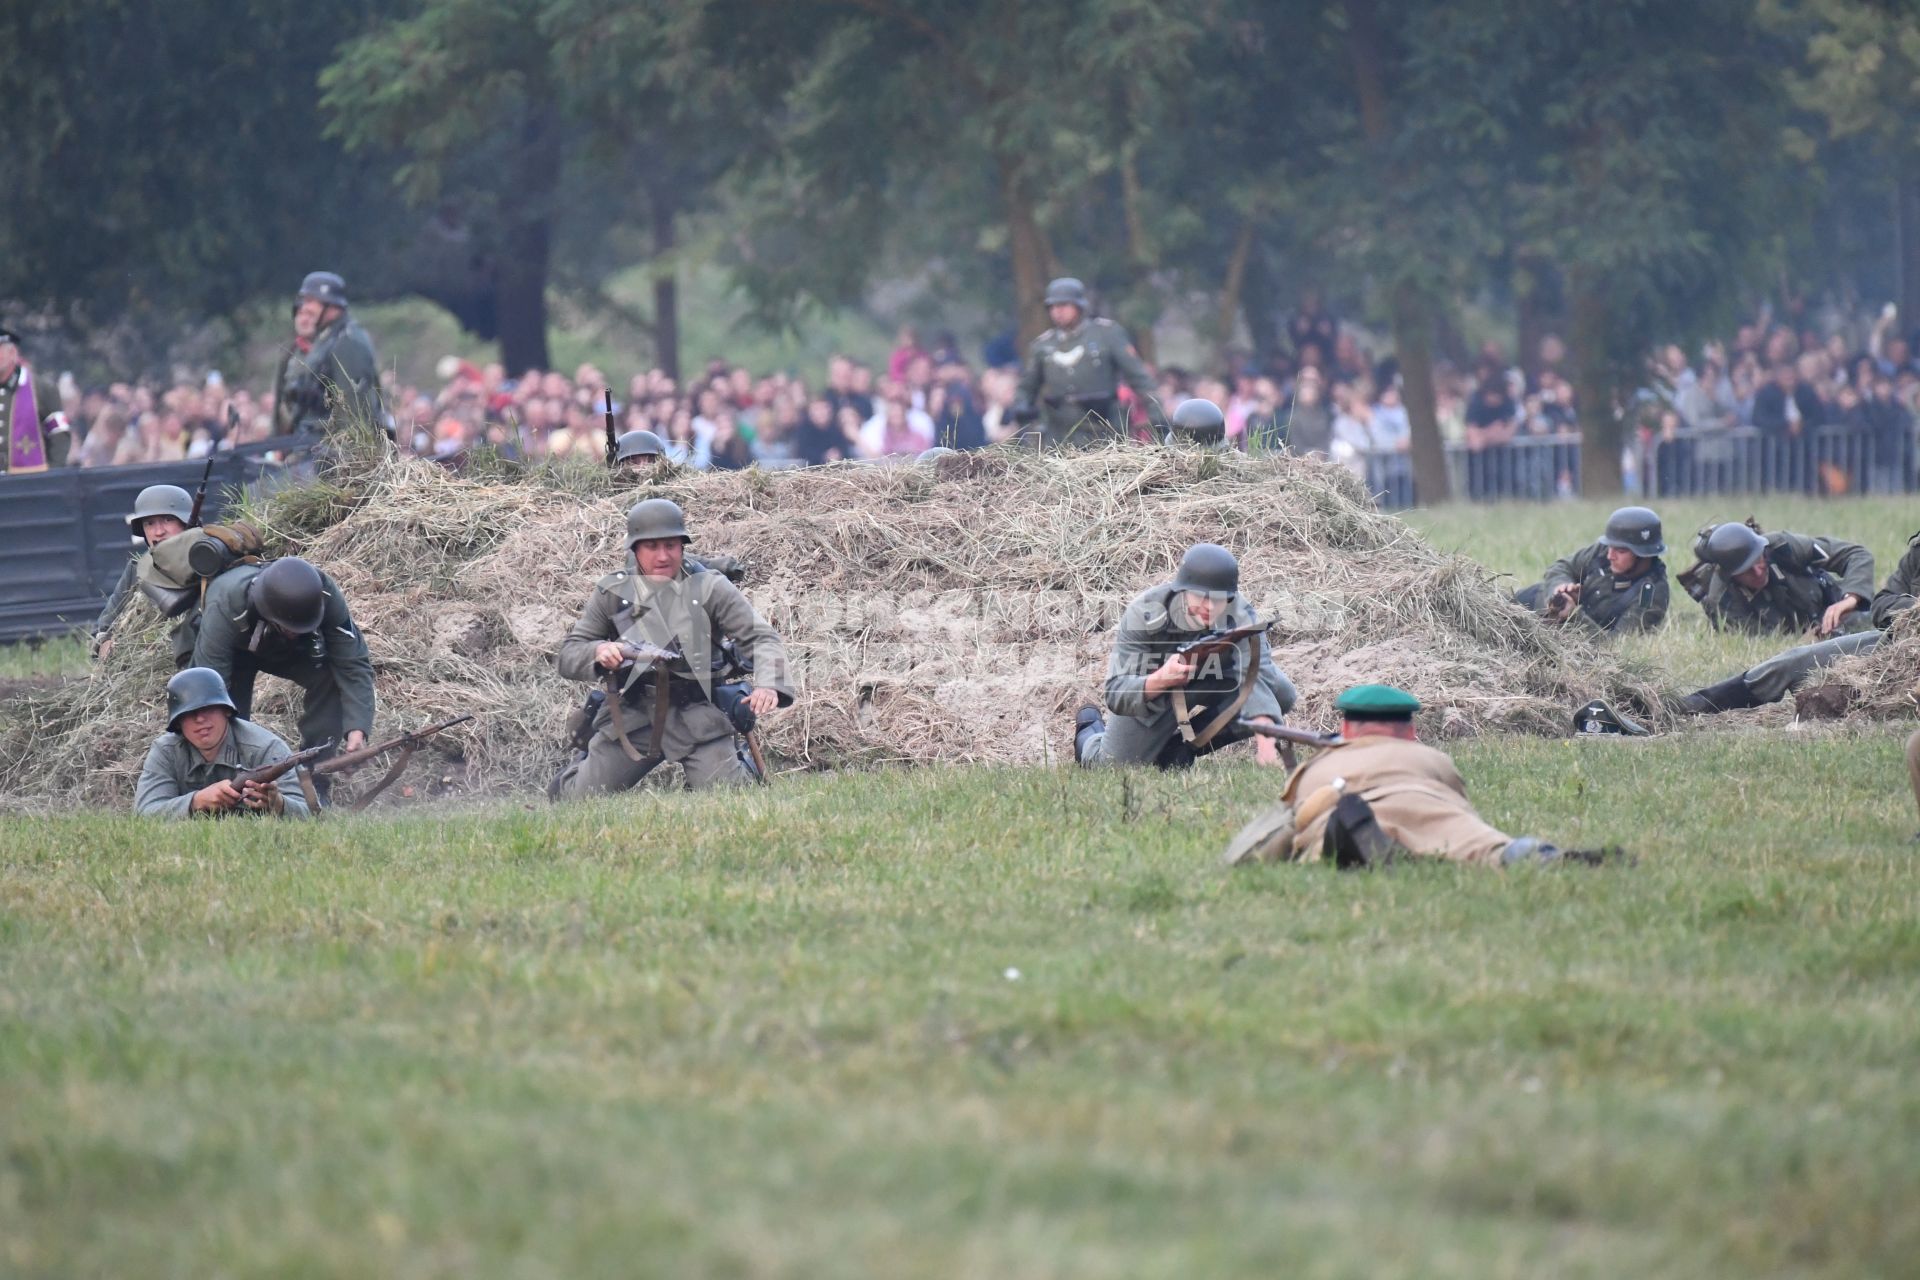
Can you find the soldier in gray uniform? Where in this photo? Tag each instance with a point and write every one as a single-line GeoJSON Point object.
{"type": "Point", "coordinates": [1618, 584]}
{"type": "Point", "coordinates": [329, 374]}
{"type": "Point", "coordinates": [639, 453]}
{"type": "Point", "coordinates": [1168, 709]}
{"type": "Point", "coordinates": [1071, 382]}
{"type": "Point", "coordinates": [663, 601]}
{"type": "Point", "coordinates": [1784, 582]}
{"type": "Point", "coordinates": [290, 620]}
{"type": "Point", "coordinates": [189, 770]}
{"type": "Point", "coordinates": [159, 570]}
{"type": "Point", "coordinates": [1780, 675]}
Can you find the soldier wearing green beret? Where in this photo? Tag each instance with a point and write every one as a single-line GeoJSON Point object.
{"type": "Point", "coordinates": [1379, 792]}
{"type": "Point", "coordinates": [1168, 706]}
{"type": "Point", "coordinates": [1617, 584]}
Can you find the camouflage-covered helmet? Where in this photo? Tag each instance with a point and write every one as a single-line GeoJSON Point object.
{"type": "Point", "coordinates": [1208, 568]}
{"type": "Point", "coordinates": [639, 444]}
{"type": "Point", "coordinates": [1200, 419]}
{"type": "Point", "coordinates": [160, 500]}
{"type": "Point", "coordinates": [290, 594]}
{"type": "Point", "coordinates": [1635, 529]}
{"type": "Point", "coordinates": [1067, 289]}
{"type": "Point", "coordinates": [324, 286]}
{"type": "Point", "coordinates": [1734, 548]}
{"type": "Point", "coordinates": [936, 453]}
{"type": "Point", "coordinates": [192, 690]}
{"type": "Point", "coordinates": [656, 518]}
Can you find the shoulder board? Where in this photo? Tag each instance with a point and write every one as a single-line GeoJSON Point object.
{"type": "Point", "coordinates": [612, 581]}
{"type": "Point", "coordinates": [1914, 540]}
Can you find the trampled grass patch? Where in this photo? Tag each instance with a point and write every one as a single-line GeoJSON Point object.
{"type": "Point", "coordinates": [961, 1022]}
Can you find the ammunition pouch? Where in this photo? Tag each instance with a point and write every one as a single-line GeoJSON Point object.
{"type": "Point", "coordinates": [580, 720]}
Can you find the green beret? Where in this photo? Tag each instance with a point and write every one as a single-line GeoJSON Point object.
{"type": "Point", "coordinates": [1377, 702]}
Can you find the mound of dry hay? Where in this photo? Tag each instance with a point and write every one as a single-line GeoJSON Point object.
{"type": "Point", "coordinates": [950, 613]}
{"type": "Point", "coordinates": [1881, 685]}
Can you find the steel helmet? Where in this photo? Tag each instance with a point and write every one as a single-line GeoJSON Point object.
{"type": "Point", "coordinates": [193, 689]}
{"type": "Point", "coordinates": [326, 287]}
{"type": "Point", "coordinates": [161, 500]}
{"type": "Point", "coordinates": [291, 594]}
{"type": "Point", "coordinates": [656, 518]}
{"type": "Point", "coordinates": [1634, 529]}
{"type": "Point", "coordinates": [1208, 568]}
{"type": "Point", "coordinates": [1200, 419]}
{"type": "Point", "coordinates": [1067, 289]}
{"type": "Point", "coordinates": [638, 444]}
{"type": "Point", "coordinates": [936, 453]}
{"type": "Point", "coordinates": [1734, 548]}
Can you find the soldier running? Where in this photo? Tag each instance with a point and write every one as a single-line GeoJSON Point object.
{"type": "Point", "coordinates": [1071, 382]}
{"type": "Point", "coordinates": [191, 768]}
{"type": "Point", "coordinates": [1168, 708]}
{"type": "Point", "coordinates": [653, 632]}
{"type": "Point", "coordinates": [1618, 584]}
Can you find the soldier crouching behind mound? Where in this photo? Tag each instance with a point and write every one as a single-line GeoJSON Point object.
{"type": "Point", "coordinates": [1379, 793]}
{"type": "Point", "coordinates": [654, 635]}
{"type": "Point", "coordinates": [1170, 706]}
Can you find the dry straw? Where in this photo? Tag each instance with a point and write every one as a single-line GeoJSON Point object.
{"type": "Point", "coordinates": [947, 612]}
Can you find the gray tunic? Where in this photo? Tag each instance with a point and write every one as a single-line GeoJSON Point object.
{"type": "Point", "coordinates": [175, 769]}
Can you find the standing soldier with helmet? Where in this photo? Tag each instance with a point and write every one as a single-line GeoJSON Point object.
{"type": "Point", "coordinates": [1169, 707]}
{"type": "Point", "coordinates": [655, 634]}
{"type": "Point", "coordinates": [1618, 584]}
{"type": "Point", "coordinates": [330, 369]}
{"type": "Point", "coordinates": [290, 620]}
{"type": "Point", "coordinates": [1784, 582]}
{"type": "Point", "coordinates": [1071, 382]}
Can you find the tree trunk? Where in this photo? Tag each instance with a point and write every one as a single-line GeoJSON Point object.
{"type": "Point", "coordinates": [520, 284]}
{"type": "Point", "coordinates": [1596, 395]}
{"type": "Point", "coordinates": [1907, 243]}
{"type": "Point", "coordinates": [1413, 341]}
{"type": "Point", "coordinates": [666, 290]}
{"type": "Point", "coordinates": [1412, 310]}
{"type": "Point", "coordinates": [1260, 305]}
{"type": "Point", "coordinates": [1229, 312]}
{"type": "Point", "coordinates": [1530, 310]}
{"type": "Point", "coordinates": [1032, 255]}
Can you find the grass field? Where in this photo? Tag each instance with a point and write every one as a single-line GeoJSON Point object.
{"type": "Point", "coordinates": [64, 656]}
{"type": "Point", "coordinates": [977, 1023]}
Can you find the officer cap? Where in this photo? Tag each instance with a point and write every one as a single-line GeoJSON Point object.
{"type": "Point", "coordinates": [1200, 419]}
{"type": "Point", "coordinates": [325, 286]}
{"type": "Point", "coordinates": [1734, 548]}
{"type": "Point", "coordinates": [656, 518]}
{"type": "Point", "coordinates": [1634, 529]}
{"type": "Point", "coordinates": [1067, 289]}
{"type": "Point", "coordinates": [936, 453]}
{"type": "Point", "coordinates": [1209, 568]}
{"type": "Point", "coordinates": [1377, 702]}
{"type": "Point", "coordinates": [638, 444]}
{"type": "Point", "coordinates": [1598, 717]}
{"type": "Point", "coordinates": [160, 500]}
{"type": "Point", "coordinates": [290, 594]}
{"type": "Point", "coordinates": [193, 689]}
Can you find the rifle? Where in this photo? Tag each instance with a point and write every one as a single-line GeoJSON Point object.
{"type": "Point", "coordinates": [269, 773]}
{"type": "Point", "coordinates": [406, 744]}
{"type": "Point", "coordinates": [1221, 641]}
{"type": "Point", "coordinates": [613, 437]}
{"type": "Point", "coordinates": [1289, 737]}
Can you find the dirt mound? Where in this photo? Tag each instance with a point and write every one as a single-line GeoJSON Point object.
{"type": "Point", "coordinates": [950, 612]}
{"type": "Point", "coordinates": [1881, 685]}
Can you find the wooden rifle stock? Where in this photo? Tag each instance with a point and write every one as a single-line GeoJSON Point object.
{"type": "Point", "coordinates": [275, 771]}
{"type": "Point", "coordinates": [406, 744]}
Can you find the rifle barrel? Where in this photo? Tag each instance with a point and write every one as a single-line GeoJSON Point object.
{"type": "Point", "coordinates": [1286, 733]}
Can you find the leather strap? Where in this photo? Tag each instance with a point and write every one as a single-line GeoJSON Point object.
{"type": "Point", "coordinates": [662, 705]}
{"type": "Point", "coordinates": [1184, 713]}
{"type": "Point", "coordinates": [399, 767]}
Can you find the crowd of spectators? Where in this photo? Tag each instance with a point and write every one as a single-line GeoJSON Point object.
{"type": "Point", "coordinates": [1512, 427]}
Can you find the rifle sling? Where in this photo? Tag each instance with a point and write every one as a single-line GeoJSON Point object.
{"type": "Point", "coordinates": [662, 704]}
{"type": "Point", "coordinates": [1183, 713]}
{"type": "Point", "coordinates": [306, 789]}
{"type": "Point", "coordinates": [388, 779]}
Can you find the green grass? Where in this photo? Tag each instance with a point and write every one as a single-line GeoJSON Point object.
{"type": "Point", "coordinates": [776, 1033]}
{"type": "Point", "coordinates": [62, 656]}
{"type": "Point", "coordinates": [1521, 539]}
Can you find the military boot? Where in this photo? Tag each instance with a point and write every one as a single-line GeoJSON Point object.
{"type": "Point", "coordinates": [1087, 720]}
{"type": "Point", "coordinates": [1730, 694]}
{"type": "Point", "coordinates": [1354, 840]}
